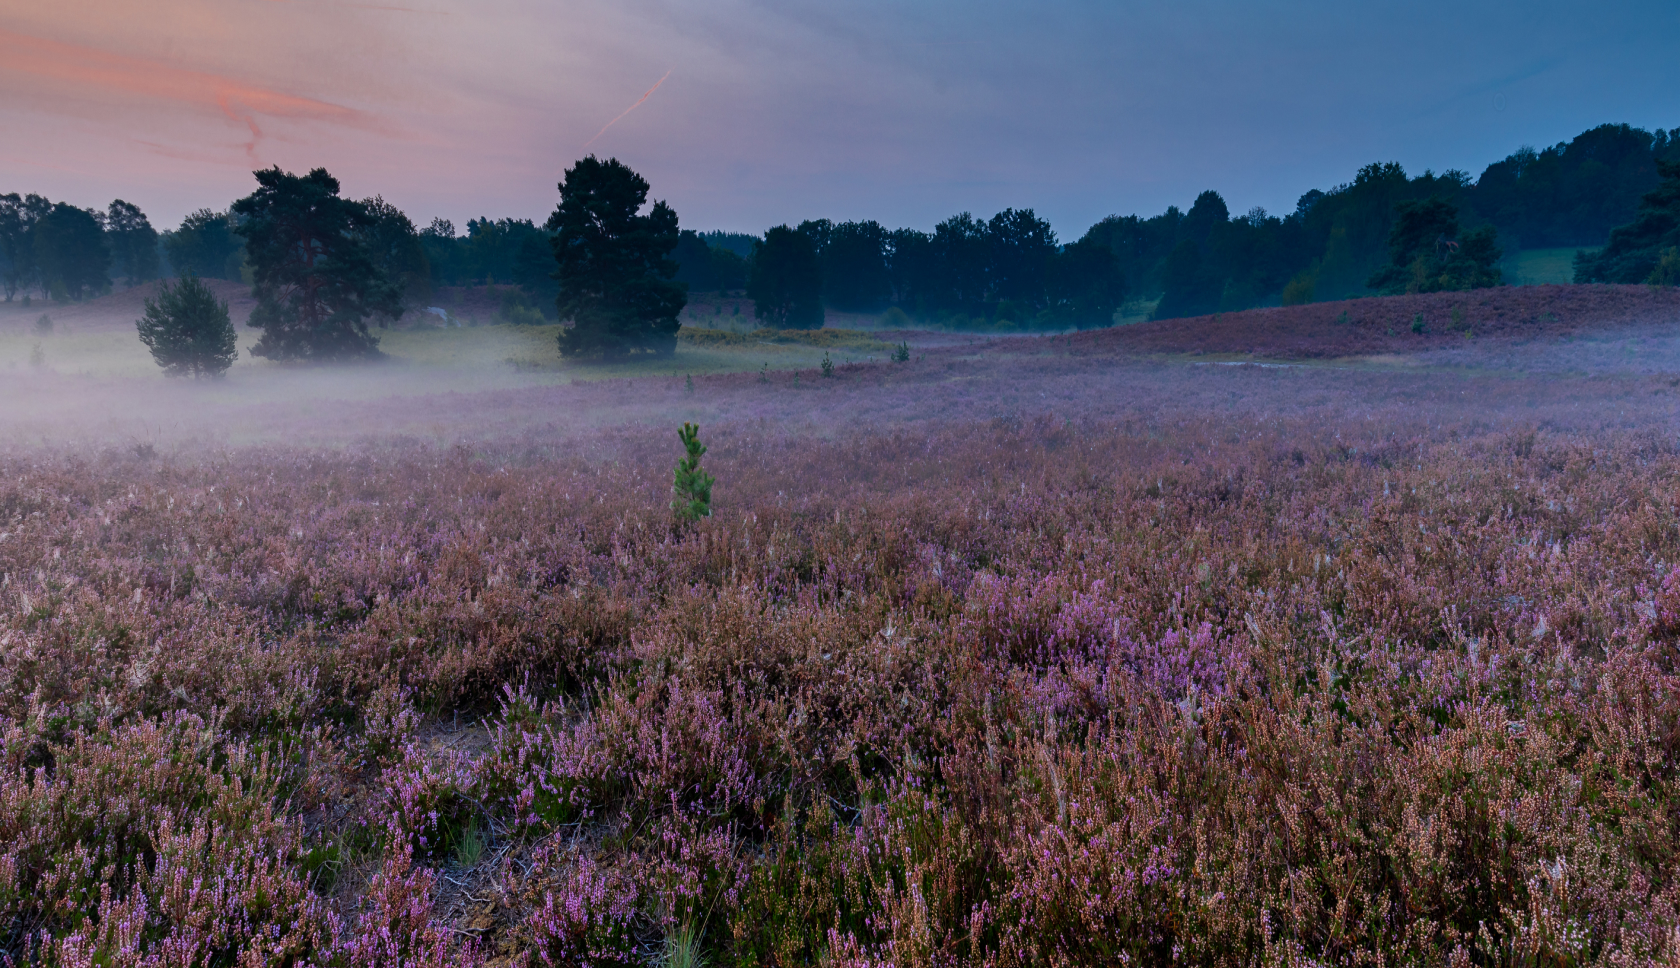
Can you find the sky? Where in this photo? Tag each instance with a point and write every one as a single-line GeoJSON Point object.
{"type": "Point", "coordinates": [744, 114]}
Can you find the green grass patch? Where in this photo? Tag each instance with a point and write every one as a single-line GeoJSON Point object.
{"type": "Point", "coordinates": [1539, 267]}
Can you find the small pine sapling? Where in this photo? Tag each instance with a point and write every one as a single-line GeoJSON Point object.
{"type": "Point", "coordinates": [44, 324]}
{"type": "Point", "coordinates": [827, 366]}
{"type": "Point", "coordinates": [690, 379]}
{"type": "Point", "coordinates": [1418, 326]}
{"type": "Point", "coordinates": [692, 486]}
{"type": "Point", "coordinates": [901, 352]}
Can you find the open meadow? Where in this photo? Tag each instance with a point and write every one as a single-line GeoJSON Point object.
{"type": "Point", "coordinates": [1293, 636]}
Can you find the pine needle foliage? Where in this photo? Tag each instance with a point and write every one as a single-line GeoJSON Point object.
{"type": "Point", "coordinates": [188, 330]}
{"type": "Point", "coordinates": [692, 486]}
{"type": "Point", "coordinates": [617, 280]}
{"type": "Point", "coordinates": [316, 280]}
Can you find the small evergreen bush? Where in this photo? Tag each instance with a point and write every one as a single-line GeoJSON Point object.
{"type": "Point", "coordinates": [188, 330]}
{"type": "Point", "coordinates": [692, 486]}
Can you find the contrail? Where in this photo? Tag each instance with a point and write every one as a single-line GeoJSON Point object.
{"type": "Point", "coordinates": [627, 110]}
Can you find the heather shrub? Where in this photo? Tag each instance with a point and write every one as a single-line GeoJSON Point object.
{"type": "Point", "coordinates": [588, 916]}
{"type": "Point", "coordinates": [429, 804]}
{"type": "Point", "coordinates": [122, 842]}
{"type": "Point", "coordinates": [1026, 692]}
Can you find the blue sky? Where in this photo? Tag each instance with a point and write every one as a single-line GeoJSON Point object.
{"type": "Point", "coordinates": [773, 112]}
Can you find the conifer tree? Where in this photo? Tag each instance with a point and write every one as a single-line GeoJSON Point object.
{"type": "Point", "coordinates": [316, 280]}
{"type": "Point", "coordinates": [614, 268]}
{"type": "Point", "coordinates": [188, 330]}
{"type": "Point", "coordinates": [692, 487]}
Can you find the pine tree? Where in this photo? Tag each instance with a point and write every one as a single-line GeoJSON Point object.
{"type": "Point", "coordinates": [316, 280]}
{"type": "Point", "coordinates": [614, 268]}
{"type": "Point", "coordinates": [188, 330]}
{"type": "Point", "coordinates": [692, 486]}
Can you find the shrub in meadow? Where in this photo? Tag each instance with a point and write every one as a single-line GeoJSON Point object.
{"type": "Point", "coordinates": [188, 331]}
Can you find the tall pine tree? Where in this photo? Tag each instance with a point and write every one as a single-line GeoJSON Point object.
{"type": "Point", "coordinates": [617, 280]}
{"type": "Point", "coordinates": [316, 280]}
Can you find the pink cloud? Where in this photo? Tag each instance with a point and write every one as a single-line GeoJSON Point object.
{"type": "Point", "coordinates": [238, 101]}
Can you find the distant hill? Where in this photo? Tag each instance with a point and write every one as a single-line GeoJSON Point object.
{"type": "Point", "coordinates": [1368, 327]}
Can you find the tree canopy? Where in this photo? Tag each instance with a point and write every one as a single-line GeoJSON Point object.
{"type": "Point", "coordinates": [205, 246]}
{"type": "Point", "coordinates": [394, 245]}
{"type": "Point", "coordinates": [854, 267]}
{"type": "Point", "coordinates": [786, 281]}
{"type": "Point", "coordinates": [72, 256]}
{"type": "Point", "coordinates": [134, 243]}
{"type": "Point", "coordinates": [68, 252]}
{"type": "Point", "coordinates": [705, 267]}
{"type": "Point", "coordinates": [1637, 251]}
{"type": "Point", "coordinates": [316, 281]}
{"type": "Point", "coordinates": [1426, 253]}
{"type": "Point", "coordinates": [616, 280]}
{"type": "Point", "coordinates": [18, 215]}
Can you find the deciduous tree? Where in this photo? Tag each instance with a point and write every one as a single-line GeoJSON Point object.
{"type": "Point", "coordinates": [17, 257]}
{"type": "Point", "coordinates": [134, 243]}
{"type": "Point", "coordinates": [394, 245]}
{"type": "Point", "coordinates": [854, 264]}
{"type": "Point", "coordinates": [1636, 250]}
{"type": "Point", "coordinates": [786, 281]}
{"type": "Point", "coordinates": [71, 253]}
{"type": "Point", "coordinates": [1086, 285]}
{"type": "Point", "coordinates": [1426, 253]}
{"type": "Point", "coordinates": [205, 246]}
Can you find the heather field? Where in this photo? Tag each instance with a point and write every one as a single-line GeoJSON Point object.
{"type": "Point", "coordinates": [1179, 643]}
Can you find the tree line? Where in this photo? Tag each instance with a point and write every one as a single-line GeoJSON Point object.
{"type": "Point", "coordinates": [67, 253]}
{"type": "Point", "coordinates": [1003, 271]}
{"type": "Point", "coordinates": [323, 267]}
{"type": "Point", "coordinates": [1383, 232]}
